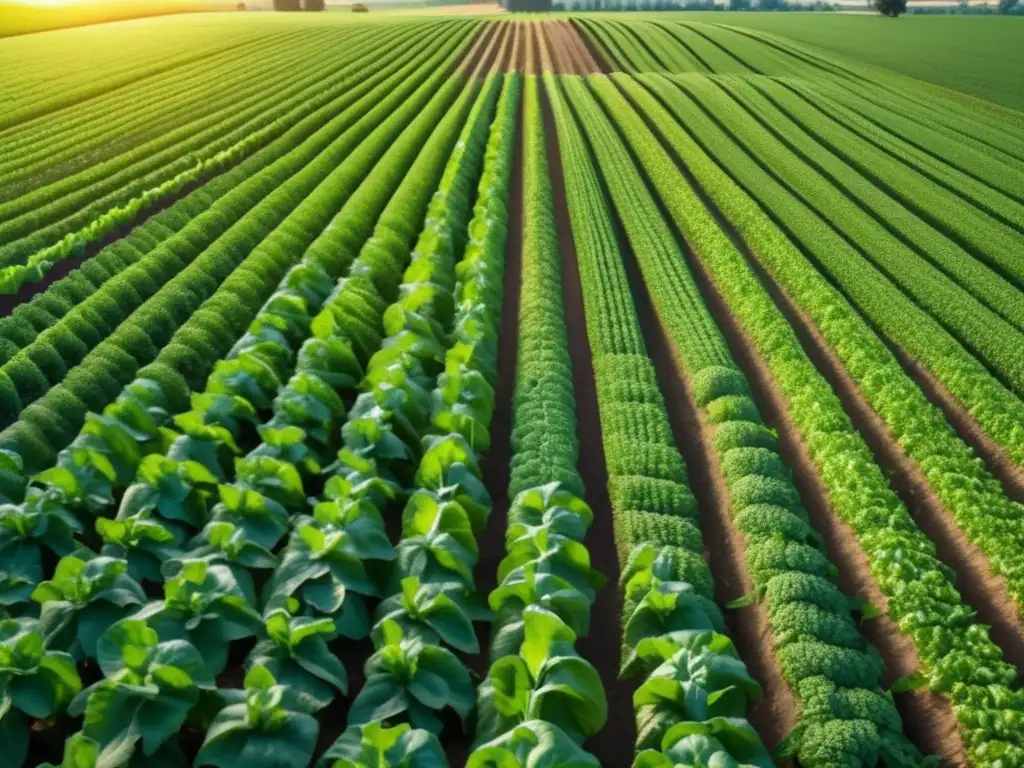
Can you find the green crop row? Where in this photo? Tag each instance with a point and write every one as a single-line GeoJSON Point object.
{"type": "Point", "coordinates": [844, 717]}
{"type": "Point", "coordinates": [541, 699]}
{"type": "Point", "coordinates": [52, 235]}
{"type": "Point", "coordinates": [169, 527]}
{"type": "Point", "coordinates": [997, 293]}
{"type": "Point", "coordinates": [961, 482]}
{"type": "Point", "coordinates": [25, 323]}
{"type": "Point", "coordinates": [956, 656]}
{"type": "Point", "coordinates": [44, 428]}
{"type": "Point", "coordinates": [672, 628]}
{"type": "Point", "coordinates": [989, 239]}
{"type": "Point", "coordinates": [997, 410]}
{"type": "Point", "coordinates": [100, 129]}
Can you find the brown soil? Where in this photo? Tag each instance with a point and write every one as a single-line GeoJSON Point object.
{"type": "Point", "coordinates": [928, 719]}
{"type": "Point", "coordinates": [518, 61]}
{"type": "Point", "coordinates": [613, 744]}
{"type": "Point", "coordinates": [996, 459]}
{"type": "Point", "coordinates": [569, 54]}
{"type": "Point", "coordinates": [471, 61]}
{"type": "Point", "coordinates": [591, 48]}
{"type": "Point", "coordinates": [501, 48]}
{"type": "Point", "coordinates": [774, 716]}
{"type": "Point", "coordinates": [502, 60]}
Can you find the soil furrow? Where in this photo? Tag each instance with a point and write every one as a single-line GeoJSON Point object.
{"type": "Point", "coordinates": [979, 586]}
{"type": "Point", "coordinates": [601, 65]}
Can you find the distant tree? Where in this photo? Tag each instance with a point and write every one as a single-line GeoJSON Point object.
{"type": "Point", "coordinates": [287, 5]}
{"type": "Point", "coordinates": [891, 8]}
{"type": "Point", "coordinates": [313, 5]}
{"type": "Point", "coordinates": [739, 5]}
{"type": "Point", "coordinates": [240, 7]}
{"type": "Point", "coordinates": [1005, 6]}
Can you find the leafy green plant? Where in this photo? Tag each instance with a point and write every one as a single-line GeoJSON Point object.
{"type": "Point", "coordinates": [295, 652]}
{"type": "Point", "coordinates": [275, 478]}
{"type": "Point", "coordinates": [435, 613]}
{"type": "Point", "coordinates": [551, 553]}
{"type": "Point", "coordinates": [699, 677]}
{"type": "Point", "coordinates": [438, 544]}
{"type": "Point", "coordinates": [148, 689]}
{"type": "Point", "coordinates": [547, 680]}
{"type": "Point", "coordinates": [43, 522]}
{"type": "Point", "coordinates": [449, 469]}
{"type": "Point", "coordinates": [408, 680]}
{"type": "Point", "coordinates": [463, 402]}
{"type": "Point", "coordinates": [205, 605]}
{"type": "Point", "coordinates": [372, 746]}
{"type": "Point", "coordinates": [176, 490]}
{"type": "Point", "coordinates": [552, 507]}
{"type": "Point", "coordinates": [260, 732]}
{"type": "Point", "coordinates": [83, 478]}
{"type": "Point", "coordinates": [532, 744]}
{"type": "Point", "coordinates": [289, 444]}
{"type": "Point", "coordinates": [527, 587]}
{"type": "Point", "coordinates": [143, 540]}
{"type": "Point", "coordinates": [83, 598]}
{"type": "Point", "coordinates": [224, 544]}
{"type": "Point", "coordinates": [718, 743]}
{"type": "Point", "coordinates": [321, 565]}
{"type": "Point", "coordinates": [21, 569]}
{"type": "Point", "coordinates": [263, 520]}
{"type": "Point", "coordinates": [35, 683]}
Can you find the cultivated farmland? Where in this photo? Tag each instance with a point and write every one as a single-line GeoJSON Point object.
{"type": "Point", "coordinates": [608, 390]}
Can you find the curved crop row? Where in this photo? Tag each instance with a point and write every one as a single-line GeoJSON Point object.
{"type": "Point", "coordinates": [51, 237]}
{"type": "Point", "coordinates": [25, 324]}
{"type": "Point", "coordinates": [673, 631]}
{"type": "Point", "coordinates": [999, 294]}
{"type": "Point", "coordinates": [120, 123]}
{"type": "Point", "coordinates": [167, 525]}
{"type": "Point", "coordinates": [961, 482]}
{"type": "Point", "coordinates": [45, 428]}
{"type": "Point", "coordinates": [957, 657]}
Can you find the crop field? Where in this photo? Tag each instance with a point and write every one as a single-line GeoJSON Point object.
{"type": "Point", "coordinates": [633, 390]}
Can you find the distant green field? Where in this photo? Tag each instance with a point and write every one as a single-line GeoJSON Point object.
{"type": "Point", "coordinates": [979, 55]}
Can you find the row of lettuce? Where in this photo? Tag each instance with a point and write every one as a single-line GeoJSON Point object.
{"type": "Point", "coordinates": [956, 656]}
{"type": "Point", "coordinates": [972, 496]}
{"type": "Point", "coordinates": [844, 717]}
{"type": "Point", "coordinates": [91, 333]}
{"type": "Point", "coordinates": [935, 238]}
{"type": "Point", "coordinates": [62, 218]}
{"type": "Point", "coordinates": [206, 521]}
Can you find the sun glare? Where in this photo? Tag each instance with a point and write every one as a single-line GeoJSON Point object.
{"type": "Point", "coordinates": [49, 3]}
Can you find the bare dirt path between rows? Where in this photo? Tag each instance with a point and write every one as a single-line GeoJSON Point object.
{"type": "Point", "coordinates": [613, 744]}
